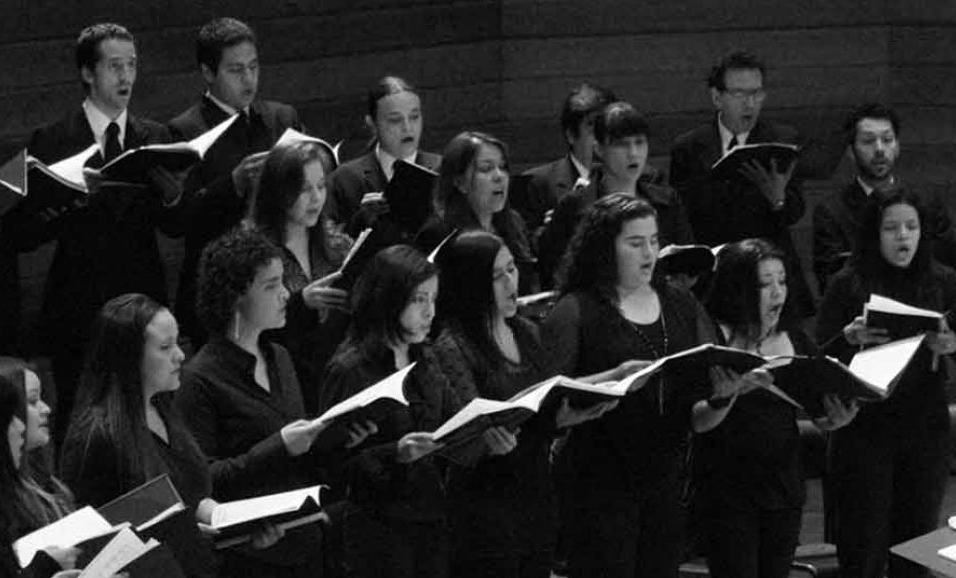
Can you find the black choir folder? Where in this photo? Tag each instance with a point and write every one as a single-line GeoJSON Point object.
{"type": "Point", "coordinates": [236, 521]}
{"type": "Point", "coordinates": [409, 195]}
{"type": "Point", "coordinates": [481, 414]}
{"type": "Point", "coordinates": [871, 376]}
{"type": "Point", "coordinates": [689, 259]}
{"type": "Point", "coordinates": [26, 180]}
{"type": "Point", "coordinates": [371, 404]}
{"type": "Point", "coordinates": [899, 319]}
{"type": "Point", "coordinates": [728, 166]}
{"type": "Point", "coordinates": [132, 165]}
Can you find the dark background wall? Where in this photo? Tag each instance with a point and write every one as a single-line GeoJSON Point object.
{"type": "Point", "coordinates": [504, 66]}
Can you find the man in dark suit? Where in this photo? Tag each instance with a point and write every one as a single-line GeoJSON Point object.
{"type": "Point", "coordinates": [760, 202]}
{"type": "Point", "coordinates": [872, 137]}
{"type": "Point", "coordinates": [106, 244]}
{"type": "Point", "coordinates": [552, 181]}
{"type": "Point", "coordinates": [356, 187]}
{"type": "Point", "coordinates": [229, 62]}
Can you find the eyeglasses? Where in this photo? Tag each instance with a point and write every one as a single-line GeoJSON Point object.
{"type": "Point", "coordinates": [756, 95]}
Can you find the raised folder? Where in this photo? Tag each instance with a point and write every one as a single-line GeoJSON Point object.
{"type": "Point", "coordinates": [291, 136]}
{"type": "Point", "coordinates": [871, 376]}
{"type": "Point", "coordinates": [481, 414]}
{"type": "Point", "coordinates": [133, 165]}
{"type": "Point", "coordinates": [25, 179]}
{"type": "Point", "coordinates": [409, 195]}
{"type": "Point", "coordinates": [688, 259]}
{"type": "Point", "coordinates": [899, 319]}
{"type": "Point", "coordinates": [80, 526]}
{"type": "Point", "coordinates": [236, 521]}
{"type": "Point", "coordinates": [371, 404]}
{"type": "Point", "coordinates": [728, 166]}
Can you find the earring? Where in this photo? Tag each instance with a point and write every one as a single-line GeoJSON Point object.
{"type": "Point", "coordinates": [237, 320]}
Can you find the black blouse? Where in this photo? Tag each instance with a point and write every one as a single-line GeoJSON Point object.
{"type": "Point", "coordinates": [503, 504]}
{"type": "Point", "coordinates": [640, 440]}
{"type": "Point", "coordinates": [374, 478]}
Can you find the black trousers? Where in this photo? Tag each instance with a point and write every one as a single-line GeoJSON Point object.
{"type": "Point", "coordinates": [745, 540]}
{"type": "Point", "coordinates": [623, 535]}
{"type": "Point", "coordinates": [887, 489]}
{"type": "Point", "coordinates": [390, 547]}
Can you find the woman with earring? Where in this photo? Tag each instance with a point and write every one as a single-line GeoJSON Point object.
{"type": "Point", "coordinates": [472, 193]}
{"type": "Point", "coordinates": [242, 402]}
{"type": "Point", "coordinates": [888, 469]}
{"type": "Point", "coordinates": [619, 476]}
{"type": "Point", "coordinates": [395, 119]}
{"type": "Point", "coordinates": [289, 208]}
{"type": "Point", "coordinates": [501, 509]}
{"type": "Point", "coordinates": [395, 519]}
{"type": "Point", "coordinates": [747, 473]}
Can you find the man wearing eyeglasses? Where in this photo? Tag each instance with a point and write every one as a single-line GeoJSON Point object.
{"type": "Point", "coordinates": [760, 201]}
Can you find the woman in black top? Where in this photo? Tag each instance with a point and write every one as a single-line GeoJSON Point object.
{"type": "Point", "coordinates": [241, 399]}
{"type": "Point", "coordinates": [889, 467]}
{"type": "Point", "coordinates": [49, 561]}
{"type": "Point", "coordinates": [472, 193]}
{"type": "Point", "coordinates": [501, 509]}
{"type": "Point", "coordinates": [748, 476]}
{"type": "Point", "coordinates": [125, 431]}
{"type": "Point", "coordinates": [395, 519]}
{"type": "Point", "coordinates": [44, 498]}
{"type": "Point", "coordinates": [289, 208]}
{"type": "Point", "coordinates": [621, 135]}
{"type": "Point", "coordinates": [619, 476]}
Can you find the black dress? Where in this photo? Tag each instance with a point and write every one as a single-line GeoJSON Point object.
{"type": "Point", "coordinates": [748, 481]}
{"type": "Point", "coordinates": [502, 508]}
{"type": "Point", "coordinates": [96, 473]}
{"type": "Point", "coordinates": [395, 519]}
{"type": "Point", "coordinates": [619, 476]}
{"type": "Point", "coordinates": [890, 465]}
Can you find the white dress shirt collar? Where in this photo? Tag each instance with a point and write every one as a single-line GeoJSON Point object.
{"type": "Point", "coordinates": [387, 161]}
{"type": "Point", "coordinates": [99, 121]}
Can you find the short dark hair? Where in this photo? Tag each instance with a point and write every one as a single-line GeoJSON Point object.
{"type": "Point", "coordinates": [88, 44]}
{"type": "Point", "coordinates": [869, 110]}
{"type": "Point", "coordinates": [384, 290]}
{"type": "Point", "coordinates": [590, 262]}
{"type": "Point", "coordinates": [735, 60]}
{"type": "Point", "coordinates": [386, 86]}
{"type": "Point", "coordinates": [618, 120]}
{"type": "Point", "coordinates": [217, 35]}
{"type": "Point", "coordinates": [734, 296]}
{"type": "Point", "coordinates": [227, 268]}
{"type": "Point", "coordinates": [280, 184]}
{"type": "Point", "coordinates": [582, 101]}
{"type": "Point", "coordinates": [466, 301]}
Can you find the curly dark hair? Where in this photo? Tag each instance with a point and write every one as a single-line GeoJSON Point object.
{"type": "Point", "coordinates": [734, 296]}
{"type": "Point", "coordinates": [227, 268]}
{"type": "Point", "coordinates": [874, 110]}
{"type": "Point", "coordinates": [590, 263]}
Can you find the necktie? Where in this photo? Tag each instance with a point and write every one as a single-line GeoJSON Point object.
{"type": "Point", "coordinates": [112, 148]}
{"type": "Point", "coordinates": [733, 143]}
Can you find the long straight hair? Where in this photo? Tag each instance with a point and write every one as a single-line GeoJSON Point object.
{"type": "Point", "coordinates": [110, 397]}
{"type": "Point", "coordinates": [466, 301]}
{"type": "Point", "coordinates": [11, 513]}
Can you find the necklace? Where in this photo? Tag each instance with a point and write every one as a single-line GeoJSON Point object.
{"type": "Point", "coordinates": [649, 343]}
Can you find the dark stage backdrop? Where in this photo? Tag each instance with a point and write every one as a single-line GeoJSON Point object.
{"type": "Point", "coordinates": [503, 66]}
